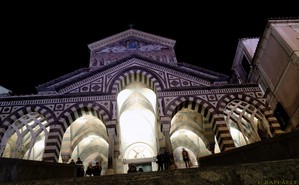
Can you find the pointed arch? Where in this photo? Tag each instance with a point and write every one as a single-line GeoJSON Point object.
{"type": "Point", "coordinates": [264, 109]}
{"type": "Point", "coordinates": [75, 111]}
{"type": "Point", "coordinates": [43, 110]}
{"type": "Point", "coordinates": [135, 75]}
{"type": "Point", "coordinates": [203, 107]}
{"type": "Point", "coordinates": [48, 118]}
{"type": "Point", "coordinates": [197, 104]}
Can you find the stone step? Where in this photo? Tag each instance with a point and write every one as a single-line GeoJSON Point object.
{"type": "Point", "coordinates": [271, 172]}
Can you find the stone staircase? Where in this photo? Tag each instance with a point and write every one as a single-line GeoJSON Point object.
{"type": "Point", "coordinates": [270, 172]}
{"type": "Point", "coordinates": [271, 161]}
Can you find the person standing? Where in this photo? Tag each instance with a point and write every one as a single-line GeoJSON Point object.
{"type": "Point", "coordinates": [132, 168]}
{"type": "Point", "coordinates": [97, 169]}
{"type": "Point", "coordinates": [160, 161]}
{"type": "Point", "coordinates": [186, 158]}
{"type": "Point", "coordinates": [79, 161]}
{"type": "Point", "coordinates": [166, 156]}
{"type": "Point", "coordinates": [80, 168]}
{"type": "Point", "coordinates": [72, 161]}
{"type": "Point", "coordinates": [89, 169]}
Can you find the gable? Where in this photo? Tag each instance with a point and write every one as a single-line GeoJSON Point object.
{"type": "Point", "coordinates": [130, 42]}
{"type": "Point", "coordinates": [131, 33]}
{"type": "Point", "coordinates": [144, 53]}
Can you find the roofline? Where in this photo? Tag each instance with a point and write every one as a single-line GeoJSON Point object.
{"type": "Point", "coordinates": [129, 33]}
{"type": "Point", "coordinates": [176, 67]}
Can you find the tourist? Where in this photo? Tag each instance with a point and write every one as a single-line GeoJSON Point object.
{"type": "Point", "coordinates": [186, 158]}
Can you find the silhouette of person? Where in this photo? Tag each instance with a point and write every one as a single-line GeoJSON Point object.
{"type": "Point", "coordinates": [79, 161]}
{"type": "Point", "coordinates": [160, 161]}
{"type": "Point", "coordinates": [80, 168]}
{"type": "Point", "coordinates": [132, 168]}
{"type": "Point", "coordinates": [81, 171]}
{"type": "Point", "coordinates": [72, 161]}
{"type": "Point", "coordinates": [89, 169]}
{"type": "Point", "coordinates": [140, 169]}
{"type": "Point", "coordinates": [166, 157]}
{"type": "Point", "coordinates": [186, 158]}
{"type": "Point", "coordinates": [97, 169]}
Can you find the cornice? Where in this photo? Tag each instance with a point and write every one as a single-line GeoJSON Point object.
{"type": "Point", "coordinates": [131, 33]}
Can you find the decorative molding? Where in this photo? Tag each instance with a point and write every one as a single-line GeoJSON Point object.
{"type": "Point", "coordinates": [131, 33]}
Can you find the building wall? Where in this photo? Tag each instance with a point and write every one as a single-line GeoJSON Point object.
{"type": "Point", "coordinates": [276, 67]}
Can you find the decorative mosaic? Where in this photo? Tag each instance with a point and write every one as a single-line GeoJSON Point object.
{"type": "Point", "coordinates": [177, 81]}
{"type": "Point", "coordinates": [6, 110]}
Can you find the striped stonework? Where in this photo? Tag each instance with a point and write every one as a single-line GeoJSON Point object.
{"type": "Point", "coordinates": [222, 134]}
{"type": "Point", "coordinates": [137, 75]}
{"type": "Point", "coordinates": [265, 110]}
{"type": "Point", "coordinates": [44, 111]}
{"type": "Point", "coordinates": [203, 107]}
{"type": "Point", "coordinates": [74, 112]}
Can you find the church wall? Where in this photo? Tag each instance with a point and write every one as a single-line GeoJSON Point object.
{"type": "Point", "coordinates": [209, 101]}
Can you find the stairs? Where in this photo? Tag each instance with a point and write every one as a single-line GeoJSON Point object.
{"type": "Point", "coordinates": [271, 161]}
{"type": "Point", "coordinates": [282, 171]}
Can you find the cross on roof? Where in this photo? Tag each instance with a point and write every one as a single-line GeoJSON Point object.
{"type": "Point", "coordinates": [131, 26]}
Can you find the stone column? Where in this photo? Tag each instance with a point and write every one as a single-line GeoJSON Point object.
{"type": "Point", "coordinates": [165, 123]}
{"type": "Point", "coordinates": [111, 135]}
{"type": "Point", "coordinates": [53, 143]}
{"type": "Point", "coordinates": [165, 130]}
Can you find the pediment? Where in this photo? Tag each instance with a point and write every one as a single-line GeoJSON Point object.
{"type": "Point", "coordinates": [131, 33]}
{"type": "Point", "coordinates": [131, 44]}
{"type": "Point", "coordinates": [124, 44]}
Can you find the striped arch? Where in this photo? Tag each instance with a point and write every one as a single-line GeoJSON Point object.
{"type": "Point", "coordinates": [133, 75]}
{"type": "Point", "coordinates": [203, 107]}
{"type": "Point", "coordinates": [45, 111]}
{"type": "Point", "coordinates": [266, 111]}
{"type": "Point", "coordinates": [53, 145]}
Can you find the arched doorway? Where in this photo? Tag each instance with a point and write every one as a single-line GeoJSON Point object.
{"type": "Point", "coordinates": [137, 107]}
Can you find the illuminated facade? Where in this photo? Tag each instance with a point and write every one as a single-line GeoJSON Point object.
{"type": "Point", "coordinates": [133, 101]}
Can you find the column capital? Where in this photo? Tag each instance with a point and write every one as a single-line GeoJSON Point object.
{"type": "Point", "coordinates": [109, 123]}
{"type": "Point", "coordinates": [111, 132]}
{"type": "Point", "coordinates": [166, 128]}
{"type": "Point", "coordinates": [165, 120]}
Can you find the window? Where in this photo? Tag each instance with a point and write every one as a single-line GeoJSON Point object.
{"type": "Point", "coordinates": [246, 65]}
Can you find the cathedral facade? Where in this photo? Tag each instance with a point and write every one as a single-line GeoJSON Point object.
{"type": "Point", "coordinates": [133, 101]}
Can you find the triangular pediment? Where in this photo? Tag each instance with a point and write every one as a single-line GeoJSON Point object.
{"type": "Point", "coordinates": [131, 33]}
{"type": "Point", "coordinates": [124, 44]}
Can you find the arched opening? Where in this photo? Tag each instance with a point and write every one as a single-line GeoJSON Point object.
{"type": "Point", "coordinates": [192, 131]}
{"type": "Point", "coordinates": [137, 107]}
{"type": "Point", "coordinates": [86, 138]}
{"type": "Point", "coordinates": [25, 138]}
{"type": "Point", "coordinates": [246, 123]}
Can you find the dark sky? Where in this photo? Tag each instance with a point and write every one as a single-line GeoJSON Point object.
{"type": "Point", "coordinates": [44, 42]}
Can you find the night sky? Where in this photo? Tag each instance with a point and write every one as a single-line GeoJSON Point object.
{"type": "Point", "coordinates": [44, 43]}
